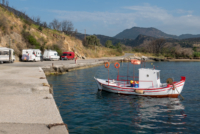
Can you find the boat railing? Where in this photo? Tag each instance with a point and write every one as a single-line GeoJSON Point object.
{"type": "Point", "coordinates": [128, 78]}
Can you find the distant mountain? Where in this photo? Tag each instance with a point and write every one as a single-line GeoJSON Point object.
{"type": "Point", "coordinates": [153, 32]}
{"type": "Point", "coordinates": [135, 31]}
{"type": "Point", "coordinates": [186, 36]}
{"type": "Point", "coordinates": [140, 36]}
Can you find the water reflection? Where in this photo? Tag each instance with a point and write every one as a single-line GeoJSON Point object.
{"type": "Point", "coordinates": [147, 112]}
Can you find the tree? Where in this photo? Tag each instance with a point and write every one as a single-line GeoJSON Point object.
{"type": "Point", "coordinates": [156, 45]}
{"type": "Point", "coordinates": [108, 44]}
{"type": "Point", "coordinates": [55, 24]}
{"type": "Point", "coordinates": [118, 45]}
{"type": "Point", "coordinates": [91, 40]}
{"type": "Point", "coordinates": [45, 25]}
{"type": "Point", "coordinates": [7, 3]}
{"type": "Point", "coordinates": [67, 27]}
{"type": "Point", "coordinates": [38, 20]}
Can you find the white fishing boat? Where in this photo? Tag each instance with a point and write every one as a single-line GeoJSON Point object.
{"type": "Point", "coordinates": [147, 84]}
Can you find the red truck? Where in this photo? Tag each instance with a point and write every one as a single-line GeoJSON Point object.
{"type": "Point", "coordinates": [68, 56]}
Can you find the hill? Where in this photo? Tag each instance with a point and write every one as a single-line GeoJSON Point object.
{"type": "Point", "coordinates": [132, 33]}
{"type": "Point", "coordinates": [19, 32]}
{"type": "Point", "coordinates": [135, 31]}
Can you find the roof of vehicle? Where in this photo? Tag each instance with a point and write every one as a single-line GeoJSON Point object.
{"type": "Point", "coordinates": [5, 48]}
{"type": "Point", "coordinates": [68, 52]}
{"type": "Point", "coordinates": [31, 50]}
{"type": "Point", "coordinates": [51, 50]}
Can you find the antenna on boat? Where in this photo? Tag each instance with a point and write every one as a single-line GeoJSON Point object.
{"type": "Point", "coordinates": [107, 65]}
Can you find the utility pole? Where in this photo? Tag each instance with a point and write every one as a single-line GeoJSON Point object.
{"type": "Point", "coordinates": [9, 41]}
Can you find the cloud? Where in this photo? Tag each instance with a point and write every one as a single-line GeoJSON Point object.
{"type": "Point", "coordinates": [106, 18]}
{"type": "Point", "coordinates": [131, 16]}
{"type": "Point", "coordinates": [181, 11]}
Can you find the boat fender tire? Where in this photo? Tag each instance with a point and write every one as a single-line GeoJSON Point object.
{"type": "Point", "coordinates": [107, 64]}
{"type": "Point", "coordinates": [117, 65]}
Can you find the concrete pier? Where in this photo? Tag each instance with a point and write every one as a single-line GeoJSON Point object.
{"type": "Point", "coordinates": [26, 105]}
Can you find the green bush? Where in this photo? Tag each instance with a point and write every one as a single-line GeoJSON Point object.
{"type": "Point", "coordinates": [11, 27]}
{"type": "Point", "coordinates": [24, 26]}
{"type": "Point", "coordinates": [196, 54]}
{"type": "Point", "coordinates": [119, 49]}
{"type": "Point", "coordinates": [40, 28]}
{"type": "Point", "coordinates": [33, 42]}
{"type": "Point", "coordinates": [28, 22]}
{"type": "Point", "coordinates": [91, 40]}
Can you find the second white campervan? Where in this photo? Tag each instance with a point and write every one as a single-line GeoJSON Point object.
{"type": "Point", "coordinates": [50, 55]}
{"type": "Point", "coordinates": [31, 55]}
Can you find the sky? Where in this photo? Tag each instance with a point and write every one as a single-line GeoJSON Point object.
{"type": "Point", "coordinates": [110, 17]}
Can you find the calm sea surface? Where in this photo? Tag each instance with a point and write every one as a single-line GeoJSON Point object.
{"type": "Point", "coordinates": [88, 111]}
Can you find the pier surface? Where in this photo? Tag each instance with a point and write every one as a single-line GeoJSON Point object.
{"type": "Point", "coordinates": [26, 104]}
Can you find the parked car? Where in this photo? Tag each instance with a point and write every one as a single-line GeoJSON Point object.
{"type": "Point", "coordinates": [50, 55]}
{"type": "Point", "coordinates": [31, 55]}
{"type": "Point", "coordinates": [6, 55]}
{"type": "Point", "coordinates": [68, 56]}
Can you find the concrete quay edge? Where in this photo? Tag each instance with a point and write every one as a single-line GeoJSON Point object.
{"type": "Point", "coordinates": [26, 103]}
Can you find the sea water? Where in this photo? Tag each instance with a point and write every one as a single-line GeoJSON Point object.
{"type": "Point", "coordinates": [88, 111]}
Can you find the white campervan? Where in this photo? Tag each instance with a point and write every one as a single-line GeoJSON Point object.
{"type": "Point", "coordinates": [31, 55]}
{"type": "Point", "coordinates": [50, 55]}
{"type": "Point", "coordinates": [6, 55]}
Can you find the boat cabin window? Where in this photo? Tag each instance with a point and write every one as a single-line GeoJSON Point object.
{"type": "Point", "coordinates": [64, 54]}
{"type": "Point", "coordinates": [55, 54]}
{"type": "Point", "coordinates": [1, 53]}
{"type": "Point", "coordinates": [70, 54]}
{"type": "Point", "coordinates": [147, 75]}
{"type": "Point", "coordinates": [158, 75]}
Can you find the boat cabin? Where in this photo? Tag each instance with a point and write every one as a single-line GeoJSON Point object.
{"type": "Point", "coordinates": [149, 78]}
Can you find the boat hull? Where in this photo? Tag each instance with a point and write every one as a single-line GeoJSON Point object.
{"type": "Point", "coordinates": [171, 91]}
